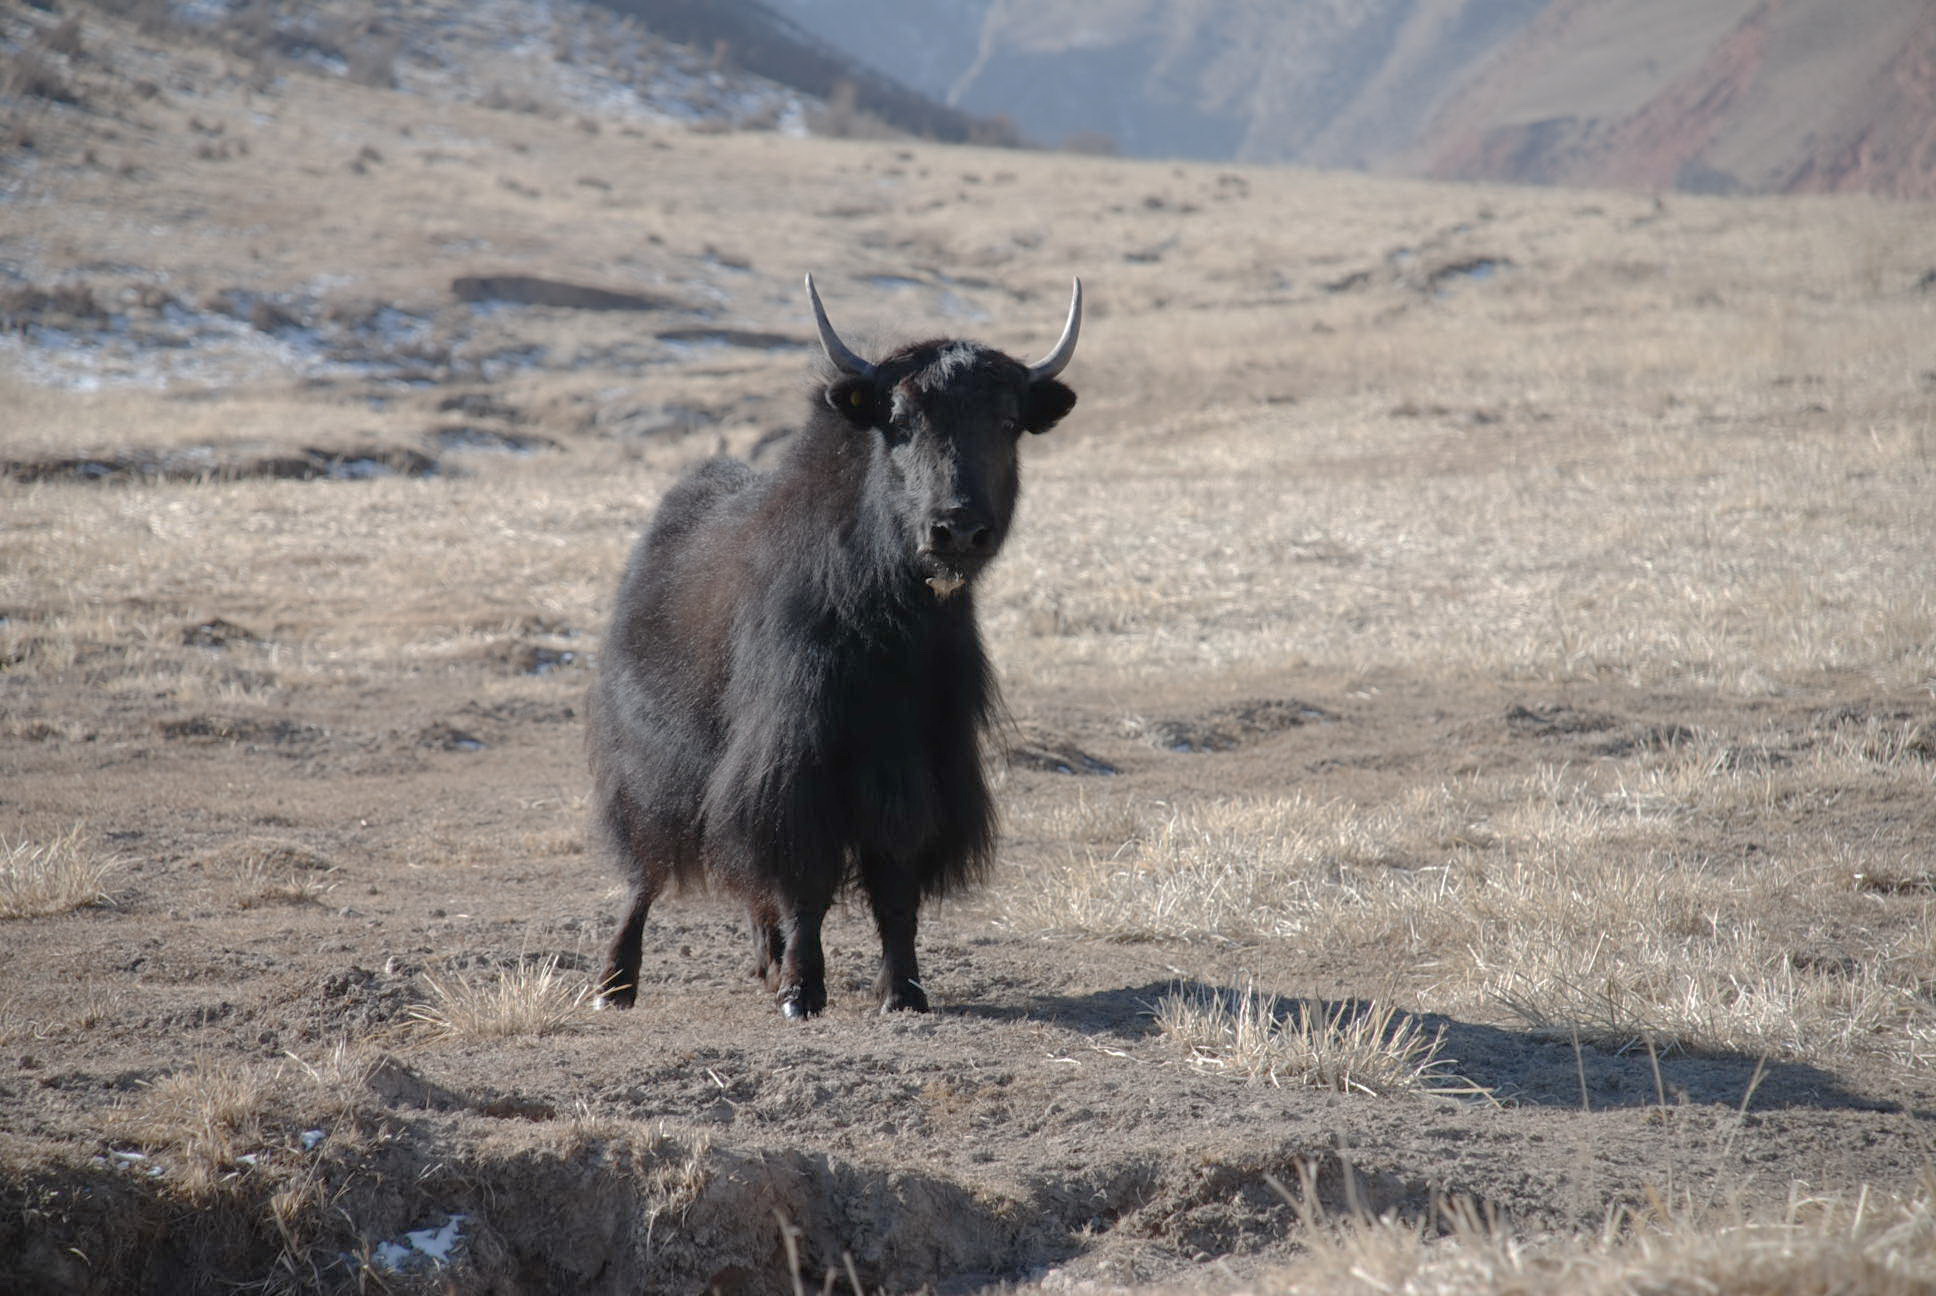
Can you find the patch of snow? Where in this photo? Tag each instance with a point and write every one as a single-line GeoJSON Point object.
{"type": "Point", "coordinates": [133, 1161]}
{"type": "Point", "coordinates": [423, 1248]}
{"type": "Point", "coordinates": [310, 1138]}
{"type": "Point", "coordinates": [183, 346]}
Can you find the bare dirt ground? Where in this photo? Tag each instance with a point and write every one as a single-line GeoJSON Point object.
{"type": "Point", "coordinates": [1513, 608]}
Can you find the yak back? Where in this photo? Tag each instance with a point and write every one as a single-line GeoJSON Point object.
{"type": "Point", "coordinates": [781, 696]}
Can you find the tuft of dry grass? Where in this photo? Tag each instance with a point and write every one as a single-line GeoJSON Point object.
{"type": "Point", "coordinates": [532, 999]}
{"type": "Point", "coordinates": [270, 872]}
{"type": "Point", "coordinates": [75, 1009]}
{"type": "Point", "coordinates": [205, 1119]}
{"type": "Point", "coordinates": [1367, 1048]}
{"type": "Point", "coordinates": [1857, 1242]}
{"type": "Point", "coordinates": [68, 872]}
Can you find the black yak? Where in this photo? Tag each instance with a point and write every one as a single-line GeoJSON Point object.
{"type": "Point", "coordinates": [793, 692]}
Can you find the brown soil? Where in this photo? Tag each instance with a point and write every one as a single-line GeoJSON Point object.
{"type": "Point", "coordinates": [1033, 1122]}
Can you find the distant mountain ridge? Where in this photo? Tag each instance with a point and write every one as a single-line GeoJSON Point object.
{"type": "Point", "coordinates": [1712, 95]}
{"type": "Point", "coordinates": [761, 40]}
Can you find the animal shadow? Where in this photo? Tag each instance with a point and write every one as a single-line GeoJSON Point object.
{"type": "Point", "coordinates": [1517, 1066]}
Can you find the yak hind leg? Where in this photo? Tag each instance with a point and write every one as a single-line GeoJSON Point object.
{"type": "Point", "coordinates": [896, 900]}
{"type": "Point", "coordinates": [618, 985]}
{"type": "Point", "coordinates": [769, 943]}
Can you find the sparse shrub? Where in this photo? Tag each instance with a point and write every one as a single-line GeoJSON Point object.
{"type": "Point", "coordinates": [66, 873]}
{"type": "Point", "coordinates": [269, 872]}
{"type": "Point", "coordinates": [1251, 1035]}
{"type": "Point", "coordinates": [209, 1117]}
{"type": "Point", "coordinates": [529, 999]}
{"type": "Point", "coordinates": [219, 1119]}
{"type": "Point", "coordinates": [843, 118]}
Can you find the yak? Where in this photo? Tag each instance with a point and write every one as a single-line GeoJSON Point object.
{"type": "Point", "coordinates": [793, 695]}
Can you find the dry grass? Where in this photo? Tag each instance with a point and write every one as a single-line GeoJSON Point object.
{"type": "Point", "coordinates": [1857, 1242]}
{"type": "Point", "coordinates": [67, 872]}
{"type": "Point", "coordinates": [1366, 1048]}
{"type": "Point", "coordinates": [1561, 897]}
{"type": "Point", "coordinates": [206, 1118]}
{"type": "Point", "coordinates": [270, 872]}
{"type": "Point", "coordinates": [530, 999]}
{"type": "Point", "coordinates": [72, 1010]}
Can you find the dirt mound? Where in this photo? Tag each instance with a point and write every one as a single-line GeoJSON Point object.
{"type": "Point", "coordinates": [1226, 727]}
{"type": "Point", "coordinates": [225, 463]}
{"type": "Point", "coordinates": [534, 290]}
{"type": "Point", "coordinates": [1033, 747]}
{"type": "Point", "coordinates": [476, 1194]}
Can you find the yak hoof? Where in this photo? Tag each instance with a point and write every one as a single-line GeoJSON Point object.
{"type": "Point", "coordinates": [906, 997]}
{"type": "Point", "coordinates": [616, 996]}
{"type": "Point", "coordinates": [796, 1004]}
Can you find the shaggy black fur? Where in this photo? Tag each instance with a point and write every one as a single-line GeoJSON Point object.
{"type": "Point", "coordinates": [793, 691]}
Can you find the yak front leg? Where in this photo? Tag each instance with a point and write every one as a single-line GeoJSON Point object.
{"type": "Point", "coordinates": [803, 970]}
{"type": "Point", "coordinates": [896, 899]}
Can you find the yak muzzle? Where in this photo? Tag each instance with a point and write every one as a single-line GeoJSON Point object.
{"type": "Point", "coordinates": [958, 545]}
{"type": "Point", "coordinates": [958, 534]}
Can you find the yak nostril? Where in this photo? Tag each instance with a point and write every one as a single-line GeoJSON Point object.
{"type": "Point", "coordinates": [959, 535]}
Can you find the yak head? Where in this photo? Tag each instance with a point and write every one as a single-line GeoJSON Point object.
{"type": "Point", "coordinates": [949, 414]}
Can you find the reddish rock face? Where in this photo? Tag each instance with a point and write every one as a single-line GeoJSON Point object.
{"type": "Point", "coordinates": [1774, 98]}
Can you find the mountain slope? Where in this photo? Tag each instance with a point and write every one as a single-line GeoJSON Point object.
{"type": "Point", "coordinates": [1750, 95]}
{"type": "Point", "coordinates": [1726, 95]}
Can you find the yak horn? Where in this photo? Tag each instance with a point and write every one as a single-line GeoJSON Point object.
{"type": "Point", "coordinates": [1065, 348]}
{"type": "Point", "coordinates": [837, 351]}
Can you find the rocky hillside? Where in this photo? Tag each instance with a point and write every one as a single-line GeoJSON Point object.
{"type": "Point", "coordinates": [718, 66]}
{"type": "Point", "coordinates": [1727, 96]}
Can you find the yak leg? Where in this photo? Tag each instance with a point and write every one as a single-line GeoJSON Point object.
{"type": "Point", "coordinates": [803, 970]}
{"type": "Point", "coordinates": [896, 899]}
{"type": "Point", "coordinates": [769, 945]}
{"type": "Point", "coordinates": [618, 987]}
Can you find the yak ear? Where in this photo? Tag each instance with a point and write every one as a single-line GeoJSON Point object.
{"type": "Point", "coordinates": [1047, 402]}
{"type": "Point", "coordinates": [856, 399]}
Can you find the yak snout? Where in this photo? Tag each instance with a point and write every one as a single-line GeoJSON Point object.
{"type": "Point", "coordinates": [957, 545]}
{"type": "Point", "coordinates": [958, 533]}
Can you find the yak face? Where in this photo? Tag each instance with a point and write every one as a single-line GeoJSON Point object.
{"type": "Point", "coordinates": [948, 416]}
